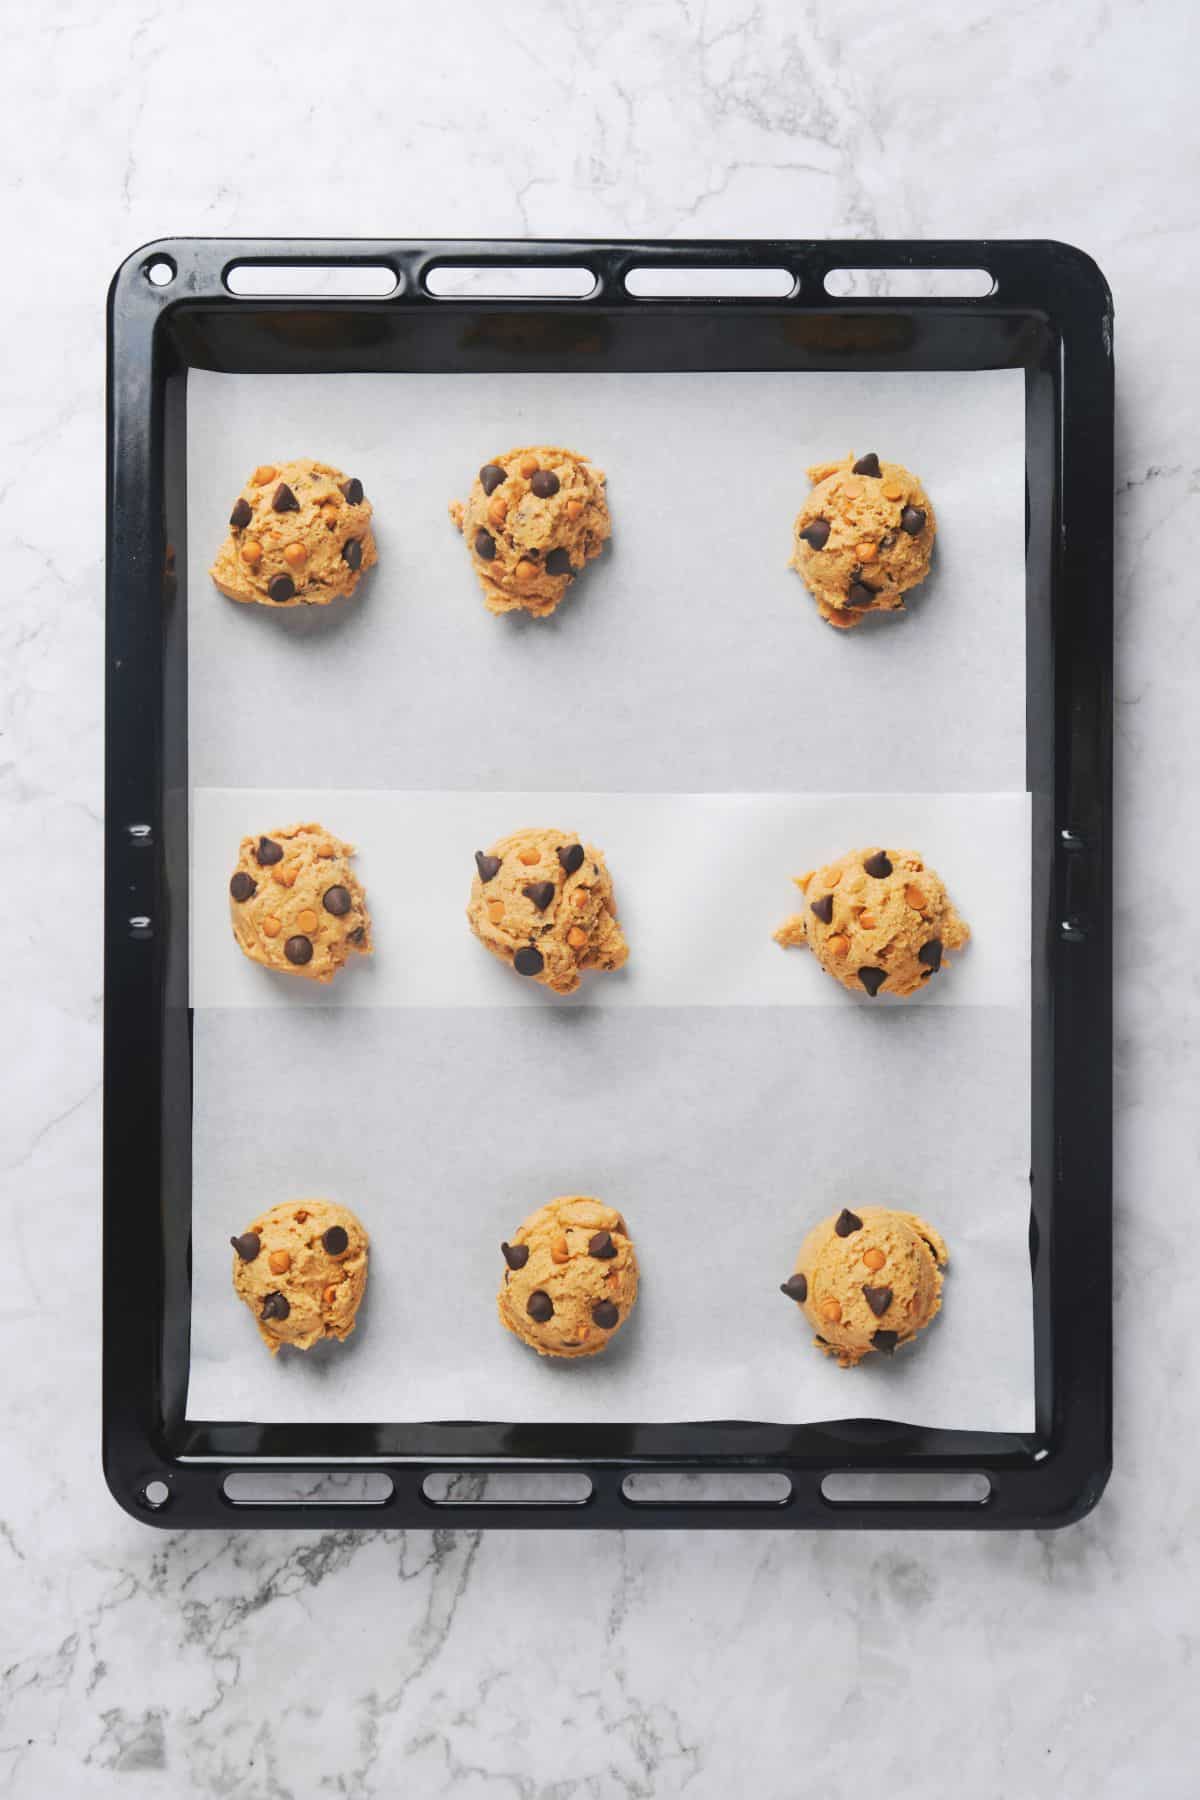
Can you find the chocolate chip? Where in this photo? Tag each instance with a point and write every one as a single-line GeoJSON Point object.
{"type": "Point", "coordinates": [558, 562]}
{"type": "Point", "coordinates": [860, 594]}
{"type": "Point", "coordinates": [241, 514]}
{"type": "Point", "coordinates": [491, 476]}
{"type": "Point", "coordinates": [601, 1246]}
{"type": "Point", "coordinates": [352, 553]}
{"type": "Point", "coordinates": [605, 1314]}
{"type": "Point", "coordinates": [268, 852]}
{"type": "Point", "coordinates": [868, 464]}
{"type": "Point", "coordinates": [336, 1239]}
{"type": "Point", "coordinates": [283, 499]}
{"type": "Point", "coordinates": [488, 866]}
{"type": "Point", "coordinates": [571, 857]}
{"type": "Point", "coordinates": [358, 934]}
{"type": "Point", "coordinates": [353, 490]}
{"type": "Point", "coordinates": [337, 900]}
{"type": "Point", "coordinates": [544, 484]}
{"type": "Point", "coordinates": [847, 1223]}
{"type": "Point", "coordinates": [878, 1299]}
{"type": "Point", "coordinates": [823, 908]}
{"type": "Point", "coordinates": [540, 892]}
{"type": "Point", "coordinates": [515, 1255]}
{"type": "Point", "coordinates": [528, 961]}
{"type": "Point", "coordinates": [886, 1341]}
{"type": "Point", "coordinates": [878, 865]}
{"type": "Point", "coordinates": [242, 886]}
{"type": "Point", "coordinates": [485, 545]}
{"type": "Point", "coordinates": [281, 588]}
{"type": "Point", "coordinates": [930, 955]}
{"type": "Point", "coordinates": [887, 540]}
{"type": "Point", "coordinates": [298, 950]}
{"type": "Point", "coordinates": [795, 1287]}
{"type": "Point", "coordinates": [817, 534]}
{"type": "Point", "coordinates": [872, 980]}
{"type": "Point", "coordinates": [912, 520]}
{"type": "Point", "coordinates": [247, 1246]}
{"type": "Point", "coordinates": [274, 1306]}
{"type": "Point", "coordinates": [540, 1306]}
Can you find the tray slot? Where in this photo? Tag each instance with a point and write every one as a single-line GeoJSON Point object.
{"type": "Point", "coordinates": [322, 281]}
{"type": "Point", "coordinates": [698, 1487]}
{"type": "Point", "coordinates": [873, 1487]}
{"type": "Point", "coordinates": [646, 282]}
{"type": "Point", "coordinates": [507, 1487]}
{"type": "Point", "coordinates": [909, 284]}
{"type": "Point", "coordinates": [308, 1487]}
{"type": "Point", "coordinates": [503, 281]}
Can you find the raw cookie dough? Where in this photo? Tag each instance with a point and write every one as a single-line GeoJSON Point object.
{"type": "Point", "coordinates": [877, 920]}
{"type": "Point", "coordinates": [868, 1280]}
{"type": "Point", "coordinates": [301, 1268]}
{"type": "Point", "coordinates": [296, 904]}
{"type": "Point", "coordinates": [571, 1277]}
{"type": "Point", "coordinates": [299, 535]}
{"type": "Point", "coordinates": [862, 538]}
{"type": "Point", "coordinates": [543, 902]}
{"type": "Point", "coordinates": [533, 518]}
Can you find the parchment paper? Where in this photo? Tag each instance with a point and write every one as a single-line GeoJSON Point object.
{"type": "Point", "coordinates": [731, 855]}
{"type": "Point", "coordinates": [690, 713]}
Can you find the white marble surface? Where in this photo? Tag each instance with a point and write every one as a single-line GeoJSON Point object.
{"type": "Point", "coordinates": [541, 1665]}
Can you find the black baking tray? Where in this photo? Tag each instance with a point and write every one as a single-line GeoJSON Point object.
{"type": "Point", "coordinates": [1050, 314]}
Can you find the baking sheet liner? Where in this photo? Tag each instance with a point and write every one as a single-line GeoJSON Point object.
{"type": "Point", "coordinates": [689, 712]}
{"type": "Point", "coordinates": [722, 1134]}
{"type": "Point", "coordinates": [687, 657]}
{"type": "Point", "coordinates": [701, 881]}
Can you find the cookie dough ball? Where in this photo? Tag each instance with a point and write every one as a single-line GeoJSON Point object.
{"type": "Point", "coordinates": [533, 518]}
{"type": "Point", "coordinates": [301, 1268]}
{"type": "Point", "coordinates": [299, 535]}
{"type": "Point", "coordinates": [571, 1278]}
{"type": "Point", "coordinates": [868, 1280]}
{"type": "Point", "coordinates": [863, 537]}
{"type": "Point", "coordinates": [877, 920]}
{"type": "Point", "coordinates": [296, 904]}
{"type": "Point", "coordinates": [543, 903]}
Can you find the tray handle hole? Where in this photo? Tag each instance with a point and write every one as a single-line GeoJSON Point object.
{"type": "Point", "coordinates": [715, 1487]}
{"type": "Point", "coordinates": [494, 281]}
{"type": "Point", "coordinates": [160, 271]}
{"type": "Point", "coordinates": [874, 1487]}
{"type": "Point", "coordinates": [648, 283]}
{"type": "Point", "coordinates": [311, 281]}
{"type": "Point", "coordinates": [155, 1495]}
{"type": "Point", "coordinates": [909, 284]}
{"type": "Point", "coordinates": [507, 1487]}
{"type": "Point", "coordinates": [308, 1487]}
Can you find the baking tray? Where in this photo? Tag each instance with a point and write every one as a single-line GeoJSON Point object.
{"type": "Point", "coordinates": [1049, 314]}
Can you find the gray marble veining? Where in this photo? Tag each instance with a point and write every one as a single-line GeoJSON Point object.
{"type": "Point", "coordinates": [542, 1666]}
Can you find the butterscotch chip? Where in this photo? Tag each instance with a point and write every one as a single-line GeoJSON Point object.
{"type": "Point", "coordinates": [280, 1261]}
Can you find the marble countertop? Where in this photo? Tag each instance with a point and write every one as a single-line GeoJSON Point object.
{"type": "Point", "coordinates": [539, 1665]}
